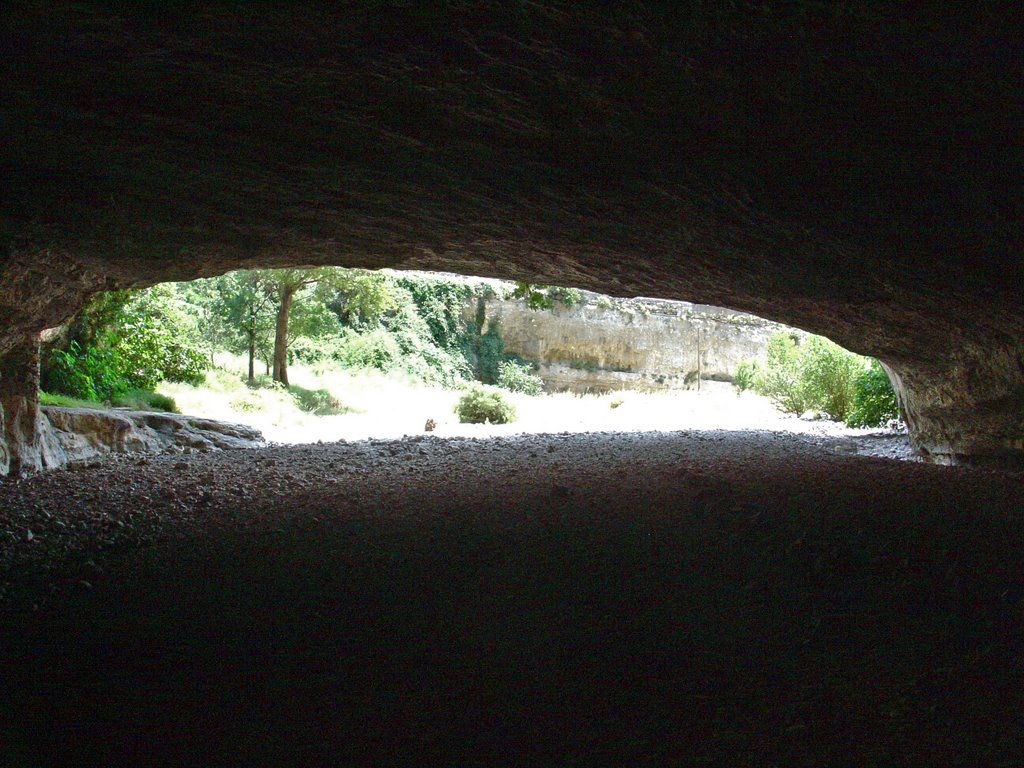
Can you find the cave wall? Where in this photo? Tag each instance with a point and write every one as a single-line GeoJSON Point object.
{"type": "Point", "coordinates": [852, 169]}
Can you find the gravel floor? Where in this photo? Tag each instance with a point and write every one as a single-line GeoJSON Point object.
{"type": "Point", "coordinates": [718, 598]}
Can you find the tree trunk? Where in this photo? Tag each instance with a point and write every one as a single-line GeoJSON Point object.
{"type": "Point", "coordinates": [281, 336]}
{"type": "Point", "coordinates": [252, 358]}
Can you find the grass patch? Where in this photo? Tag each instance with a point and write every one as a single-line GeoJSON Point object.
{"type": "Point", "coordinates": [46, 398]}
{"type": "Point", "coordinates": [141, 400]}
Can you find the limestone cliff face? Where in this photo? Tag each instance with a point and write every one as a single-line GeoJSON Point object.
{"type": "Point", "coordinates": [602, 344]}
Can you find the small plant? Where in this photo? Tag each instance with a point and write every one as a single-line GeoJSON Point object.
{"type": "Point", "coordinates": [616, 402]}
{"type": "Point", "coordinates": [583, 365]}
{"type": "Point", "coordinates": [517, 377]}
{"type": "Point", "coordinates": [481, 404]}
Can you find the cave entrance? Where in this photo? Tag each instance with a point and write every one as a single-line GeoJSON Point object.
{"type": "Point", "coordinates": [329, 354]}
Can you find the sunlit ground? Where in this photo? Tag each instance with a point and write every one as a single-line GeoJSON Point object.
{"type": "Point", "coordinates": [389, 406]}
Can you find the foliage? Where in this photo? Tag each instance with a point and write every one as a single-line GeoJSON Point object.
{"type": "Point", "coordinates": [583, 365]}
{"type": "Point", "coordinates": [490, 352]}
{"type": "Point", "coordinates": [146, 337]}
{"type": "Point", "coordinates": [819, 375]}
{"type": "Point", "coordinates": [481, 404]}
{"type": "Point", "coordinates": [874, 401]}
{"type": "Point", "coordinates": [539, 297]}
{"type": "Point", "coordinates": [780, 379]}
{"type": "Point", "coordinates": [746, 373]}
{"type": "Point", "coordinates": [518, 377]}
{"type": "Point", "coordinates": [319, 401]}
{"type": "Point", "coordinates": [827, 372]}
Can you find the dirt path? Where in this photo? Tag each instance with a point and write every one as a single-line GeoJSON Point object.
{"type": "Point", "coordinates": [699, 598]}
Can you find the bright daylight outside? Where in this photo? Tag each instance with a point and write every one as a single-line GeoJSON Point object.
{"type": "Point", "coordinates": [327, 354]}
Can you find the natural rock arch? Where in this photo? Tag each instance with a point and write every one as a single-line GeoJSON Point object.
{"type": "Point", "coordinates": [856, 172]}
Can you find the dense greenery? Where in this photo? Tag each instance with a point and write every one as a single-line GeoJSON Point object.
{"type": "Point", "coordinates": [125, 342]}
{"type": "Point", "coordinates": [481, 404]}
{"type": "Point", "coordinates": [818, 375]}
{"type": "Point", "coordinates": [427, 327]}
{"type": "Point", "coordinates": [518, 377]}
{"type": "Point", "coordinates": [392, 322]}
{"type": "Point", "coordinates": [874, 401]}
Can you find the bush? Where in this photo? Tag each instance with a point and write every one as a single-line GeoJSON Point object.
{"type": "Point", "coordinates": [745, 375]}
{"type": "Point", "coordinates": [318, 401]}
{"type": "Point", "coordinates": [828, 372]}
{"type": "Point", "coordinates": [874, 401]}
{"type": "Point", "coordinates": [518, 377]}
{"type": "Point", "coordinates": [817, 375]}
{"type": "Point", "coordinates": [484, 405]}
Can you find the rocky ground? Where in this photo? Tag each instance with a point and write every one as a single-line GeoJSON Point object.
{"type": "Point", "coordinates": [674, 598]}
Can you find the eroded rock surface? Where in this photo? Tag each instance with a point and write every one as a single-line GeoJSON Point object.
{"type": "Point", "coordinates": [854, 169]}
{"type": "Point", "coordinates": [77, 436]}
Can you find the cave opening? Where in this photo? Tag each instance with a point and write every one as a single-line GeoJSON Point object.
{"type": "Point", "coordinates": [326, 354]}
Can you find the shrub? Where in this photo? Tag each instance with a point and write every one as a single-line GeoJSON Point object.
{"type": "Point", "coordinates": [517, 377]}
{"type": "Point", "coordinates": [481, 404]}
{"type": "Point", "coordinates": [318, 401]}
{"type": "Point", "coordinates": [874, 401]}
{"type": "Point", "coordinates": [376, 349]}
{"type": "Point", "coordinates": [827, 372]}
{"type": "Point", "coordinates": [818, 375]}
{"type": "Point", "coordinates": [746, 373]}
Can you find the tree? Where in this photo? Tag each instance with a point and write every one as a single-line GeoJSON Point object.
{"type": "Point", "coordinates": [287, 283]}
{"type": "Point", "coordinates": [247, 304]}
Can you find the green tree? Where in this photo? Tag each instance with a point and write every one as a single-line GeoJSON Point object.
{"type": "Point", "coordinates": [287, 283]}
{"type": "Point", "coordinates": [247, 307]}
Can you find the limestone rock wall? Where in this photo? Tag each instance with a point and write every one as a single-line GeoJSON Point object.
{"type": "Point", "coordinates": [71, 437]}
{"type": "Point", "coordinates": [602, 344]}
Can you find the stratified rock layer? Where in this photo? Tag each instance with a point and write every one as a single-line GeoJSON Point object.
{"type": "Point", "coordinates": [856, 169]}
{"type": "Point", "coordinates": [71, 437]}
{"type": "Point", "coordinates": [599, 344]}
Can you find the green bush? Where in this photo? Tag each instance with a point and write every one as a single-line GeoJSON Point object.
{"type": "Point", "coordinates": [817, 375]}
{"type": "Point", "coordinates": [874, 401]}
{"type": "Point", "coordinates": [828, 372]}
{"type": "Point", "coordinates": [375, 349]}
{"type": "Point", "coordinates": [518, 377]}
{"type": "Point", "coordinates": [122, 342]}
{"type": "Point", "coordinates": [481, 404]}
{"type": "Point", "coordinates": [746, 373]}
{"type": "Point", "coordinates": [318, 401]}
